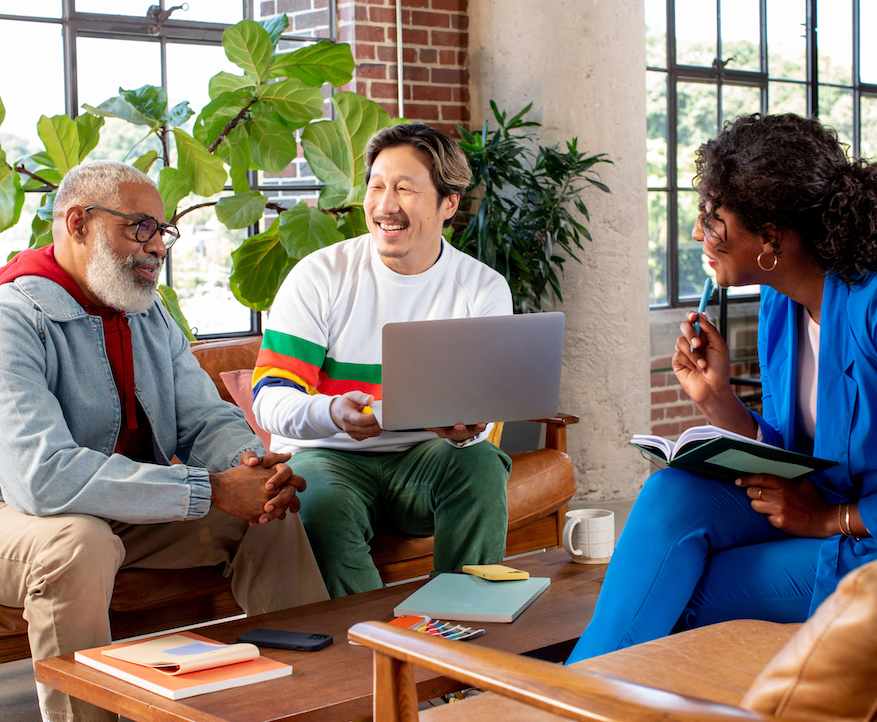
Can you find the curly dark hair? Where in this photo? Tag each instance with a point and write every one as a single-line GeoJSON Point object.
{"type": "Point", "coordinates": [793, 172]}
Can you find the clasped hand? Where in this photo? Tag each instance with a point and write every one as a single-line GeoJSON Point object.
{"type": "Point", "coordinates": [262, 488]}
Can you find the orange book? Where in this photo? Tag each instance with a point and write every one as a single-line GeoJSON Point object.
{"type": "Point", "coordinates": [174, 684]}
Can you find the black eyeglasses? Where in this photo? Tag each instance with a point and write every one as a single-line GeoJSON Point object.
{"type": "Point", "coordinates": [147, 227]}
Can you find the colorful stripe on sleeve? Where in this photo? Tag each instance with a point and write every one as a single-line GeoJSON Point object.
{"type": "Point", "coordinates": [291, 361]}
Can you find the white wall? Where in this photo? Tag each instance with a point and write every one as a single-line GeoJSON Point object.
{"type": "Point", "coordinates": [582, 65]}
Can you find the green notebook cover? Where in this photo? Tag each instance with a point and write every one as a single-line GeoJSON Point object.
{"type": "Point", "coordinates": [467, 598]}
{"type": "Point", "coordinates": [728, 456]}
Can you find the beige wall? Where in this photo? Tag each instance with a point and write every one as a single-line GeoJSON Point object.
{"type": "Point", "coordinates": [582, 65]}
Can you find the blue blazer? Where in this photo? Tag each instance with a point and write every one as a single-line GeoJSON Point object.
{"type": "Point", "coordinates": [845, 408]}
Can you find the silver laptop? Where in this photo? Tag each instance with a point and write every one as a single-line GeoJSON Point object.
{"type": "Point", "coordinates": [470, 370]}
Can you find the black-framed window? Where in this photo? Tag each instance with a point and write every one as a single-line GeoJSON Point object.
{"type": "Point", "coordinates": [709, 61]}
{"type": "Point", "coordinates": [82, 51]}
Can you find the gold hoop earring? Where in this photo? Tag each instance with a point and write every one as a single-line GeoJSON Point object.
{"type": "Point", "coordinates": [775, 261]}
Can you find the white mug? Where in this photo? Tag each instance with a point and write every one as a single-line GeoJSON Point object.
{"type": "Point", "coordinates": [589, 535]}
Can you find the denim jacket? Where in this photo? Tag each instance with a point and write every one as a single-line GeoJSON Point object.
{"type": "Point", "coordinates": [61, 414]}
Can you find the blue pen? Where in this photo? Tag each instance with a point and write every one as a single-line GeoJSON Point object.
{"type": "Point", "coordinates": [704, 300]}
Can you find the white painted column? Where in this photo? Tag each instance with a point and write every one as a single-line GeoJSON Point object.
{"type": "Point", "coordinates": [582, 65]}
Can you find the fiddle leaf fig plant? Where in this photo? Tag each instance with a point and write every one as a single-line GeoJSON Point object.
{"type": "Point", "coordinates": [250, 123]}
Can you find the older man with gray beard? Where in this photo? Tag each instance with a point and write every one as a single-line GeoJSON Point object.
{"type": "Point", "coordinates": [98, 392]}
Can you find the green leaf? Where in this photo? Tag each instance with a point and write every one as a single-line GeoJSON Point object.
{"type": "Point", "coordinates": [172, 304]}
{"type": "Point", "coordinates": [149, 100]}
{"type": "Point", "coordinates": [173, 186]}
{"type": "Point", "coordinates": [240, 183]}
{"type": "Point", "coordinates": [273, 144]}
{"type": "Point", "coordinates": [41, 232]}
{"type": "Point", "coordinates": [334, 149]}
{"type": "Point", "coordinates": [214, 116]}
{"type": "Point", "coordinates": [236, 148]}
{"type": "Point", "coordinates": [88, 128]}
{"type": "Point", "coordinates": [227, 83]}
{"type": "Point", "coordinates": [179, 114]}
{"type": "Point", "coordinates": [294, 101]}
{"type": "Point", "coordinates": [2, 112]}
{"type": "Point", "coordinates": [47, 203]}
{"type": "Point", "coordinates": [241, 210]}
{"type": "Point", "coordinates": [61, 139]}
{"type": "Point", "coordinates": [145, 161]}
{"type": "Point", "coordinates": [118, 107]}
{"type": "Point", "coordinates": [332, 197]}
{"type": "Point", "coordinates": [50, 175]}
{"type": "Point", "coordinates": [260, 265]}
{"type": "Point", "coordinates": [206, 170]}
{"type": "Point", "coordinates": [352, 224]}
{"type": "Point", "coordinates": [275, 26]}
{"type": "Point", "coordinates": [323, 62]}
{"type": "Point", "coordinates": [248, 45]}
{"type": "Point", "coordinates": [304, 229]}
{"type": "Point", "coordinates": [11, 196]}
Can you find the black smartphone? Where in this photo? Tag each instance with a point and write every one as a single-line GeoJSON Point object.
{"type": "Point", "coordinates": [279, 639]}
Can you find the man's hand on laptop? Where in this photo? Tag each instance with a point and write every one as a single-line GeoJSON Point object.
{"type": "Point", "coordinates": [348, 414]}
{"type": "Point", "coordinates": [459, 433]}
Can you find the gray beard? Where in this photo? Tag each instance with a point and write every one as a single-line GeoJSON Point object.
{"type": "Point", "coordinates": [112, 280]}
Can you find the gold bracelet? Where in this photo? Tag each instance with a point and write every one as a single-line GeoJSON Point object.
{"type": "Point", "coordinates": [839, 523]}
{"type": "Point", "coordinates": [849, 531]}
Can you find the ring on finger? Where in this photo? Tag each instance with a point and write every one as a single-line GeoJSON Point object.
{"type": "Point", "coordinates": [760, 492]}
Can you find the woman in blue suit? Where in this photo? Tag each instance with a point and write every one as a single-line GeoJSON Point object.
{"type": "Point", "coordinates": [783, 207]}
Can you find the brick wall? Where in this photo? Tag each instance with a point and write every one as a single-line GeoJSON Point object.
{"type": "Point", "coordinates": [435, 57]}
{"type": "Point", "coordinates": [672, 409]}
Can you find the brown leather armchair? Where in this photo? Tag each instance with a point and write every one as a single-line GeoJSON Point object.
{"type": "Point", "coordinates": [145, 600]}
{"type": "Point", "coordinates": [821, 671]}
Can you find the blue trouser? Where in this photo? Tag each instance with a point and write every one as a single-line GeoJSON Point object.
{"type": "Point", "coordinates": [433, 488]}
{"type": "Point", "coordinates": [692, 553]}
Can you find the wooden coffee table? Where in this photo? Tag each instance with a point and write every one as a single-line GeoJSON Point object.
{"type": "Point", "coordinates": [336, 682]}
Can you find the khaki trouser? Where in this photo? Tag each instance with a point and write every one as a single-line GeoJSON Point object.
{"type": "Point", "coordinates": [61, 570]}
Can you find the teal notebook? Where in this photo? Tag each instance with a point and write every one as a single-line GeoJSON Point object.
{"type": "Point", "coordinates": [467, 598]}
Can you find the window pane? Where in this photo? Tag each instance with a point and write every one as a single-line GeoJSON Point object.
{"type": "Point", "coordinates": [189, 69]}
{"type": "Point", "coordinates": [739, 100]}
{"type": "Point", "coordinates": [42, 81]}
{"type": "Point", "coordinates": [306, 17]}
{"type": "Point", "coordinates": [656, 33]}
{"type": "Point", "coordinates": [836, 42]}
{"type": "Point", "coordinates": [740, 34]}
{"type": "Point", "coordinates": [697, 110]}
{"type": "Point", "coordinates": [695, 32]}
{"type": "Point", "coordinates": [656, 140]}
{"type": "Point", "coordinates": [202, 264]}
{"type": "Point", "coordinates": [103, 66]}
{"type": "Point", "coordinates": [869, 127]}
{"type": "Point", "coordinates": [115, 7]}
{"type": "Point", "coordinates": [692, 264]}
{"type": "Point", "coordinates": [787, 39]}
{"type": "Point", "coordinates": [210, 11]}
{"type": "Point", "coordinates": [134, 64]}
{"type": "Point", "coordinates": [868, 52]}
{"type": "Point", "coordinates": [787, 98]}
{"type": "Point", "coordinates": [836, 110]}
{"type": "Point", "coordinates": [658, 248]}
{"type": "Point", "coordinates": [32, 8]}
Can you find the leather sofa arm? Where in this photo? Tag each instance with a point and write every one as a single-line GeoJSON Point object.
{"type": "Point", "coordinates": [555, 431]}
{"type": "Point", "coordinates": [572, 694]}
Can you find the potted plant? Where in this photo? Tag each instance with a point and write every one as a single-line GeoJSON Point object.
{"type": "Point", "coordinates": [518, 215]}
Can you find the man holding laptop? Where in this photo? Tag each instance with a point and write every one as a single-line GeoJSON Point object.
{"type": "Point", "coordinates": [319, 371]}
